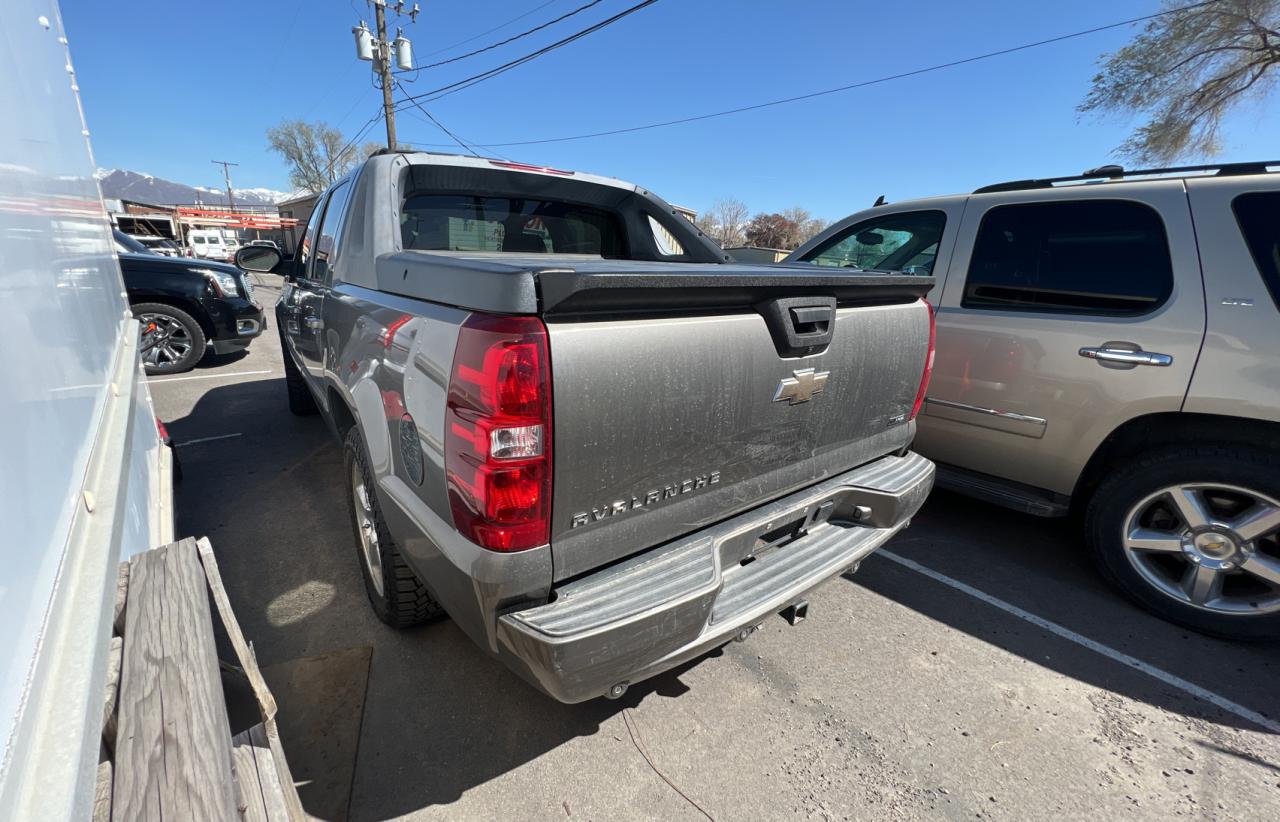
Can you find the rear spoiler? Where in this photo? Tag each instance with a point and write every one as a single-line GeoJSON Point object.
{"type": "Point", "coordinates": [567, 293]}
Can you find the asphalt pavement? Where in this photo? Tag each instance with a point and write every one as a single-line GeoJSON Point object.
{"type": "Point", "coordinates": [978, 667]}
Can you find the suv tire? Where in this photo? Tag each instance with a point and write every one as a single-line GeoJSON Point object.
{"type": "Point", "coordinates": [1218, 485]}
{"type": "Point", "coordinates": [301, 403]}
{"type": "Point", "coordinates": [179, 327]}
{"type": "Point", "coordinates": [397, 595]}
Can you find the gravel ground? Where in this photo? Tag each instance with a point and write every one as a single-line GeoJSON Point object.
{"type": "Point", "coordinates": [981, 670]}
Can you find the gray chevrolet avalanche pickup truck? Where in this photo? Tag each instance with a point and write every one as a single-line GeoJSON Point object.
{"type": "Point", "coordinates": [574, 425]}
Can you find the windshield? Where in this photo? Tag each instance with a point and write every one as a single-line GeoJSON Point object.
{"type": "Point", "coordinates": [127, 245]}
{"type": "Point", "coordinates": [455, 222]}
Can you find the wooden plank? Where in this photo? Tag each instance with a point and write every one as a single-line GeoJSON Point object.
{"type": "Point", "coordinates": [109, 696]}
{"type": "Point", "coordinates": [266, 702]}
{"type": "Point", "coordinates": [249, 797]}
{"type": "Point", "coordinates": [273, 790]}
{"type": "Point", "coordinates": [122, 595]}
{"type": "Point", "coordinates": [173, 744]}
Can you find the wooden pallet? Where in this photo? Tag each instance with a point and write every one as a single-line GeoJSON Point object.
{"type": "Point", "coordinates": [167, 748]}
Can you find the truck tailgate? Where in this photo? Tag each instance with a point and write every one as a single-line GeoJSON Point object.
{"type": "Point", "coordinates": [665, 424]}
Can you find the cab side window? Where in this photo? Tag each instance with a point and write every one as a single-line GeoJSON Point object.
{"type": "Point", "coordinates": [906, 242]}
{"type": "Point", "coordinates": [326, 245]}
{"type": "Point", "coordinates": [1108, 257]}
{"type": "Point", "coordinates": [305, 248]}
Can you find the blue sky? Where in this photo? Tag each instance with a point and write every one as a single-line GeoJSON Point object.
{"type": "Point", "coordinates": [171, 85]}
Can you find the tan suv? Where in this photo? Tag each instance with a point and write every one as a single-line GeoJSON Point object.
{"type": "Point", "coordinates": [1109, 345]}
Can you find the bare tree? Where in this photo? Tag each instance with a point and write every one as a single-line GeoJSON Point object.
{"type": "Point", "coordinates": [317, 154]}
{"type": "Point", "coordinates": [1185, 71]}
{"type": "Point", "coordinates": [806, 226]}
{"type": "Point", "coordinates": [725, 222]}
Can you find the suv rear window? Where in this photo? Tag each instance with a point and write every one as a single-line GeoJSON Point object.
{"type": "Point", "coordinates": [1257, 215]}
{"type": "Point", "coordinates": [453, 222]}
{"type": "Point", "coordinates": [1079, 257]}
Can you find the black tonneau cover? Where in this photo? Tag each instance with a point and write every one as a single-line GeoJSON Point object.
{"type": "Point", "coordinates": [565, 285]}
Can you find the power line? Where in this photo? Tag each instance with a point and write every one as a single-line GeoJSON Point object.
{"type": "Point", "coordinates": [850, 86]}
{"type": "Point", "coordinates": [441, 125]}
{"type": "Point", "coordinates": [436, 94]}
{"type": "Point", "coordinates": [519, 36]}
{"type": "Point", "coordinates": [492, 30]}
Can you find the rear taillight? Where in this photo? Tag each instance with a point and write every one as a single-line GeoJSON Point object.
{"type": "Point", "coordinates": [497, 448]}
{"type": "Point", "coordinates": [928, 361]}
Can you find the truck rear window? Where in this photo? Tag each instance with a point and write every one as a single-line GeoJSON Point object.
{"type": "Point", "coordinates": [1256, 214]}
{"type": "Point", "coordinates": [458, 222]}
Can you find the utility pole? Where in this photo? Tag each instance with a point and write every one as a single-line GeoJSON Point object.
{"type": "Point", "coordinates": [380, 51]}
{"type": "Point", "coordinates": [383, 65]}
{"type": "Point", "coordinates": [226, 176]}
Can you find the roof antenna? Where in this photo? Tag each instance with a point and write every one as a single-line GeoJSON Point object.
{"type": "Point", "coordinates": [880, 201]}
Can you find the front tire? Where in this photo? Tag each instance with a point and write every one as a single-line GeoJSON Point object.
{"type": "Point", "coordinates": [397, 595]}
{"type": "Point", "coordinates": [170, 341]}
{"type": "Point", "coordinates": [1192, 533]}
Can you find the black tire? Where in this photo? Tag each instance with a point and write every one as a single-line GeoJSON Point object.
{"type": "Point", "coordinates": [403, 601]}
{"type": "Point", "coordinates": [301, 403]}
{"type": "Point", "coordinates": [1132, 482]}
{"type": "Point", "coordinates": [185, 325]}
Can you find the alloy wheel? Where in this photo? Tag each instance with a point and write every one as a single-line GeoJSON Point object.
{"type": "Point", "coordinates": [367, 528]}
{"type": "Point", "coordinates": [164, 340]}
{"type": "Point", "coordinates": [1213, 547]}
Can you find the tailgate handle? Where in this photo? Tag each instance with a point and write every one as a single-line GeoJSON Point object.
{"type": "Point", "coordinates": [800, 326]}
{"type": "Point", "coordinates": [814, 319]}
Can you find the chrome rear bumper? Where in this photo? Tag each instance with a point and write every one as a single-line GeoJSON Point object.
{"type": "Point", "coordinates": [658, 609]}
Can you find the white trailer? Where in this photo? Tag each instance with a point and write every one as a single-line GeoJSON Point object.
{"type": "Point", "coordinates": [84, 478]}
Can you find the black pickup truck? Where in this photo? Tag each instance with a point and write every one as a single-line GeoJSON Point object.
{"type": "Point", "coordinates": [186, 306]}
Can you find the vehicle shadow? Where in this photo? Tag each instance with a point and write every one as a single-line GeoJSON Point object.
{"type": "Point", "coordinates": [440, 716]}
{"type": "Point", "coordinates": [1041, 566]}
{"type": "Point", "coordinates": [212, 360]}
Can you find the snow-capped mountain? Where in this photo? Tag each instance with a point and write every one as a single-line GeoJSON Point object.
{"type": "Point", "coordinates": [146, 188]}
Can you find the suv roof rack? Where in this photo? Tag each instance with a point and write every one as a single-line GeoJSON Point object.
{"type": "Point", "coordinates": [1113, 173]}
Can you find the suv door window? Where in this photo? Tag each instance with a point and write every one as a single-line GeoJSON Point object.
{"type": "Point", "coordinates": [907, 241]}
{"type": "Point", "coordinates": [1256, 214]}
{"type": "Point", "coordinates": [1081, 257]}
{"type": "Point", "coordinates": [327, 243]}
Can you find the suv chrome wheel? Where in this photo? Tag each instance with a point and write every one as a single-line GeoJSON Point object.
{"type": "Point", "coordinates": [1213, 547]}
{"type": "Point", "coordinates": [368, 529]}
{"type": "Point", "coordinates": [164, 340]}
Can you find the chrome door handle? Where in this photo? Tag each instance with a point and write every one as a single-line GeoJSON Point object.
{"type": "Point", "coordinates": [1126, 357]}
{"type": "Point", "coordinates": [313, 322]}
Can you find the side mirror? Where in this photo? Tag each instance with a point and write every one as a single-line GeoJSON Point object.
{"type": "Point", "coordinates": [870, 238]}
{"type": "Point", "coordinates": [260, 258]}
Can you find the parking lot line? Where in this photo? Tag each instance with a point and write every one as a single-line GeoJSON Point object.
{"type": "Point", "coordinates": [208, 376]}
{"type": "Point", "coordinates": [1054, 628]}
{"type": "Point", "coordinates": [206, 439]}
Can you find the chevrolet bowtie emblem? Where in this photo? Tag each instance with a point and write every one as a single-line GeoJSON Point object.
{"type": "Point", "coordinates": [801, 386]}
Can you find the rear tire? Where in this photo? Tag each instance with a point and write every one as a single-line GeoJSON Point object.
{"type": "Point", "coordinates": [301, 403]}
{"type": "Point", "coordinates": [396, 594]}
{"type": "Point", "coordinates": [1170, 529]}
{"type": "Point", "coordinates": [170, 341]}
